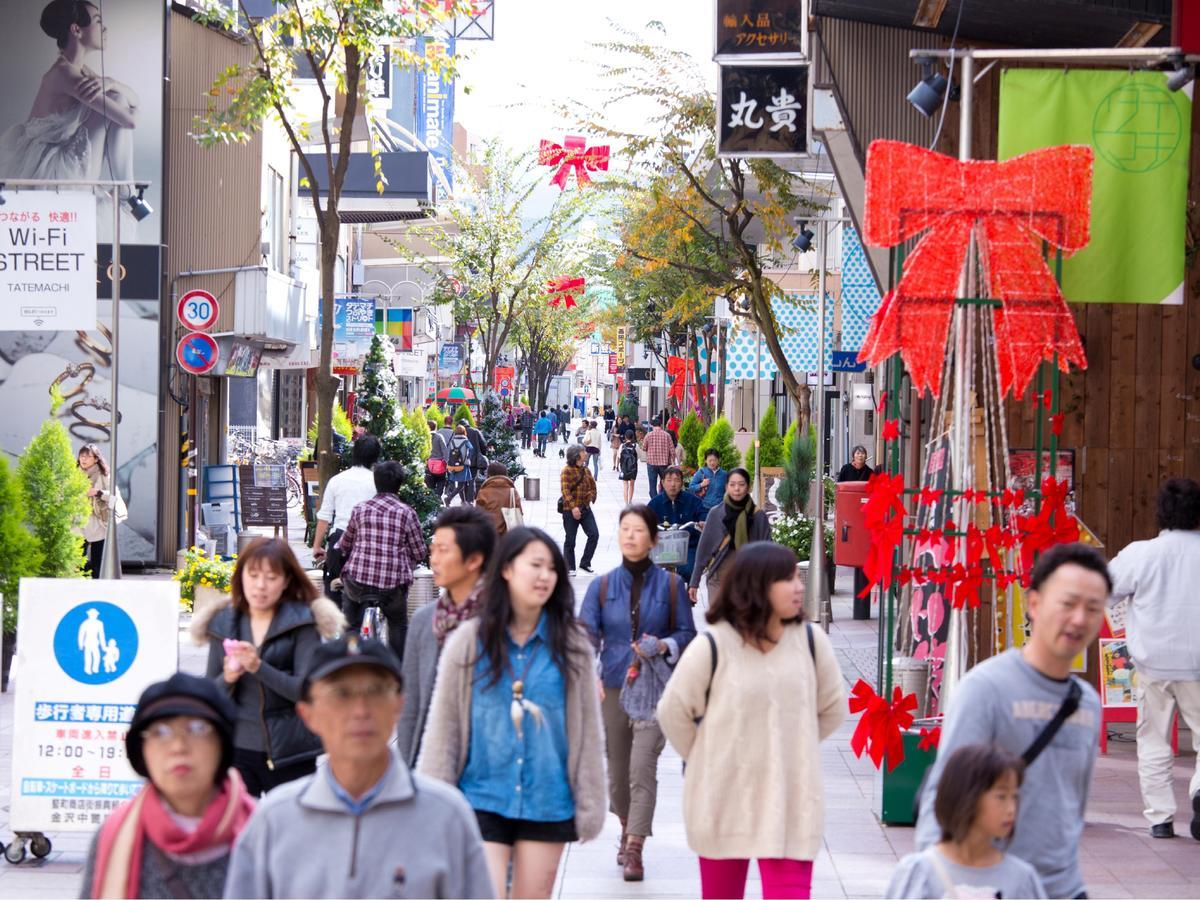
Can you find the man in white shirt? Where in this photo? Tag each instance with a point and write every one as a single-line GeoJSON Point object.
{"type": "Point", "coordinates": [343, 492]}
{"type": "Point", "coordinates": [1160, 577]}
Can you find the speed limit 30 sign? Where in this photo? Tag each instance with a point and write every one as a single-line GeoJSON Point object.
{"type": "Point", "coordinates": [197, 310]}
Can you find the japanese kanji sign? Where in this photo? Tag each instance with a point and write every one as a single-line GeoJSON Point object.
{"type": "Point", "coordinates": [88, 650]}
{"type": "Point", "coordinates": [763, 111]}
{"type": "Point", "coordinates": [47, 261]}
{"type": "Point", "coordinates": [762, 29]}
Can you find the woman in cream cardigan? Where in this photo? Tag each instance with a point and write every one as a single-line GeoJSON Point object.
{"type": "Point", "coordinates": [514, 722]}
{"type": "Point", "coordinates": [752, 788]}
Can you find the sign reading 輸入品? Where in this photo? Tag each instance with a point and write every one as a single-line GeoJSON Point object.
{"type": "Point", "coordinates": [47, 261]}
{"type": "Point", "coordinates": [108, 640]}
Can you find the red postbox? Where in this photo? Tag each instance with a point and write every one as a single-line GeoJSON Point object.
{"type": "Point", "coordinates": [851, 539]}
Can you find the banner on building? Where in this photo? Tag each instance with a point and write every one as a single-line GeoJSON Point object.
{"type": "Point", "coordinates": [797, 318]}
{"type": "Point", "coordinates": [622, 337]}
{"type": "Point", "coordinates": [450, 360]}
{"type": "Point", "coordinates": [860, 294]}
{"type": "Point", "coordinates": [1140, 132]}
{"type": "Point", "coordinates": [435, 106]}
{"type": "Point", "coordinates": [353, 328]}
{"type": "Point", "coordinates": [107, 641]}
{"type": "Point", "coordinates": [76, 143]}
{"type": "Point", "coordinates": [504, 377]}
{"type": "Point", "coordinates": [763, 111]}
{"type": "Point", "coordinates": [396, 323]}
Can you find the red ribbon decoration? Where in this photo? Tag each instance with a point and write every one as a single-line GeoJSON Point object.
{"type": "Point", "coordinates": [930, 738]}
{"type": "Point", "coordinates": [1011, 207]}
{"type": "Point", "coordinates": [891, 430]}
{"type": "Point", "coordinates": [676, 371]}
{"type": "Point", "coordinates": [1038, 533]}
{"type": "Point", "coordinates": [562, 290]}
{"type": "Point", "coordinates": [929, 495]}
{"type": "Point", "coordinates": [572, 155]}
{"type": "Point", "coordinates": [880, 730]}
{"type": "Point", "coordinates": [883, 517]}
{"type": "Point", "coordinates": [1056, 424]}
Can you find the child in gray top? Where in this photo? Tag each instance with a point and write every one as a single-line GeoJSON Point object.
{"type": "Point", "coordinates": [976, 808]}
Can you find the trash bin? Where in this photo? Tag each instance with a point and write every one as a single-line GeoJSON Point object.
{"type": "Point", "coordinates": [533, 488]}
{"type": "Point", "coordinates": [422, 590]}
{"type": "Point", "coordinates": [244, 538]}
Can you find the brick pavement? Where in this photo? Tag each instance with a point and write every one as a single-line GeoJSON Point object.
{"type": "Point", "coordinates": [1119, 858]}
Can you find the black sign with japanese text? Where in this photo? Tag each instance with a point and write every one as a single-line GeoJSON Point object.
{"type": "Point", "coordinates": [763, 110]}
{"type": "Point", "coordinates": [760, 28]}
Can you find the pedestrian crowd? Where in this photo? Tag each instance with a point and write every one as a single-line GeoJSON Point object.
{"type": "Point", "coordinates": [461, 756]}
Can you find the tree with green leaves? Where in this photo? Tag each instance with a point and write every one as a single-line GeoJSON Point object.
{"type": "Point", "coordinates": [500, 439]}
{"type": "Point", "coordinates": [798, 465]}
{"type": "Point", "coordinates": [770, 443]}
{"type": "Point", "coordinates": [691, 433]}
{"type": "Point", "coordinates": [492, 261]}
{"type": "Point", "coordinates": [546, 338]}
{"type": "Point", "coordinates": [418, 423]}
{"type": "Point", "coordinates": [378, 393]}
{"type": "Point", "coordinates": [326, 46]}
{"type": "Point", "coordinates": [20, 555]}
{"type": "Point", "coordinates": [462, 416]}
{"type": "Point", "coordinates": [434, 412]}
{"type": "Point", "coordinates": [719, 436]}
{"type": "Point", "coordinates": [54, 492]}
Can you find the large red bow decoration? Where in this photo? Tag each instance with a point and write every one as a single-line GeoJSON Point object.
{"type": "Point", "coordinates": [677, 368]}
{"type": "Point", "coordinates": [1039, 532]}
{"type": "Point", "coordinates": [1011, 207]}
{"type": "Point", "coordinates": [571, 154]}
{"type": "Point", "coordinates": [880, 730]}
{"type": "Point", "coordinates": [562, 290]}
{"type": "Point", "coordinates": [883, 517]}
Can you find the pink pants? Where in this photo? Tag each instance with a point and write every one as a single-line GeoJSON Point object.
{"type": "Point", "coordinates": [781, 878]}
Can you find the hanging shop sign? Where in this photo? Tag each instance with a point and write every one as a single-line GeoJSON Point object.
{"type": "Point", "coordinates": [765, 30]}
{"type": "Point", "coordinates": [109, 640]}
{"type": "Point", "coordinates": [397, 324]}
{"type": "Point", "coordinates": [450, 360]}
{"type": "Point", "coordinates": [353, 328]}
{"type": "Point", "coordinates": [622, 337]}
{"type": "Point", "coordinates": [613, 368]}
{"type": "Point", "coordinates": [763, 111]}
{"type": "Point", "coordinates": [47, 261]}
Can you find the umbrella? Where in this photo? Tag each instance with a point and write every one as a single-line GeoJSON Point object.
{"type": "Point", "coordinates": [457, 395]}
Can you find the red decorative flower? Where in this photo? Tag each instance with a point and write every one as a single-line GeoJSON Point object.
{"type": "Point", "coordinates": [930, 737]}
{"type": "Point", "coordinates": [880, 730]}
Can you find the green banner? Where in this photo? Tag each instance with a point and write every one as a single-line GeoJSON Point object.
{"type": "Point", "coordinates": [1140, 132]}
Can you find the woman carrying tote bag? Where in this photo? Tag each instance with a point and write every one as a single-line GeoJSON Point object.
{"type": "Point", "coordinates": [747, 708]}
{"type": "Point", "coordinates": [498, 498]}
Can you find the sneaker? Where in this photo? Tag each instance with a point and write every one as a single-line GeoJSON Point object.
{"type": "Point", "coordinates": [589, 570]}
{"type": "Point", "coordinates": [1196, 817]}
{"type": "Point", "coordinates": [1162, 830]}
{"type": "Point", "coordinates": [570, 573]}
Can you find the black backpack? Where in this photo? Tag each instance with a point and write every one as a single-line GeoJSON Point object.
{"type": "Point", "coordinates": [628, 460]}
{"type": "Point", "coordinates": [459, 455]}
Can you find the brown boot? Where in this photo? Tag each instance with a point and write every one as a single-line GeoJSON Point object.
{"type": "Point", "coordinates": [633, 858]}
{"type": "Point", "coordinates": [621, 845]}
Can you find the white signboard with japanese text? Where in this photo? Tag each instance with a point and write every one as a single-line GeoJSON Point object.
{"type": "Point", "coordinates": [48, 261]}
{"type": "Point", "coordinates": [108, 641]}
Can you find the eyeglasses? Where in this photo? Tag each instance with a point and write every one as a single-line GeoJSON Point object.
{"type": "Point", "coordinates": [192, 730]}
{"type": "Point", "coordinates": [373, 694]}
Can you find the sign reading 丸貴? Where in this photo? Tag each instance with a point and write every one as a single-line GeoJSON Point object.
{"type": "Point", "coordinates": [197, 310]}
{"type": "Point", "coordinates": [763, 111]}
{"type": "Point", "coordinates": [108, 640]}
{"type": "Point", "coordinates": [47, 261]}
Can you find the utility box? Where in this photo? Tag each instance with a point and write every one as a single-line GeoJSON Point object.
{"type": "Point", "coordinates": [898, 788]}
{"type": "Point", "coordinates": [852, 540]}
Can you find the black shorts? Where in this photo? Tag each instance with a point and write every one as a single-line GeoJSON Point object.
{"type": "Point", "coordinates": [501, 830]}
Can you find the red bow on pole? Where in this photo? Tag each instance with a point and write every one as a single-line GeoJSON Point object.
{"type": "Point", "coordinates": [880, 730]}
{"type": "Point", "coordinates": [883, 517]}
{"type": "Point", "coordinates": [1011, 207]}
{"type": "Point", "coordinates": [930, 738]}
{"type": "Point", "coordinates": [1040, 532]}
{"type": "Point", "coordinates": [562, 290]}
{"type": "Point", "coordinates": [571, 154]}
{"type": "Point", "coordinates": [677, 370]}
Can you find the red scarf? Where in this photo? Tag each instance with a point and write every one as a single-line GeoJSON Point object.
{"type": "Point", "coordinates": [449, 615]}
{"type": "Point", "coordinates": [122, 836]}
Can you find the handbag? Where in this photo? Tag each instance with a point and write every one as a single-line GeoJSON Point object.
{"type": "Point", "coordinates": [435, 466]}
{"type": "Point", "coordinates": [513, 517]}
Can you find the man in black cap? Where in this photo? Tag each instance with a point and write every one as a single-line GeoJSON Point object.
{"type": "Point", "coordinates": [397, 833]}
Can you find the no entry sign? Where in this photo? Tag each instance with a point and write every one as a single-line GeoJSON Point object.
{"type": "Point", "coordinates": [196, 353]}
{"type": "Point", "coordinates": [198, 310]}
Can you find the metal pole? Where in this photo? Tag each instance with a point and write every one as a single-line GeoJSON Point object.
{"type": "Point", "coordinates": [110, 562]}
{"type": "Point", "coordinates": [814, 598]}
{"type": "Point", "coordinates": [955, 662]}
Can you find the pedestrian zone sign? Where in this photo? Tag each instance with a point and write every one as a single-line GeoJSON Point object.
{"type": "Point", "coordinates": [109, 641]}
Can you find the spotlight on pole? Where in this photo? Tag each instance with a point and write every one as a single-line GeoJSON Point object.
{"type": "Point", "coordinates": [138, 204]}
{"type": "Point", "coordinates": [1182, 75]}
{"type": "Point", "coordinates": [803, 241]}
{"type": "Point", "coordinates": [927, 96]}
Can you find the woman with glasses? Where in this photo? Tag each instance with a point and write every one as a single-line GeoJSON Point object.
{"type": "Point", "coordinates": [174, 837]}
{"type": "Point", "coordinates": [515, 721]}
{"type": "Point", "coordinates": [259, 646]}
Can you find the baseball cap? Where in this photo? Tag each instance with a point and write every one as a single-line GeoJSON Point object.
{"type": "Point", "coordinates": [182, 695]}
{"type": "Point", "coordinates": [347, 651]}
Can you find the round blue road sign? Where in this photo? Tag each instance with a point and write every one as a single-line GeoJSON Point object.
{"type": "Point", "coordinates": [96, 643]}
{"type": "Point", "coordinates": [196, 353]}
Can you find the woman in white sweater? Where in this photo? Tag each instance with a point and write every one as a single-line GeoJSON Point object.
{"type": "Point", "coordinates": [769, 690]}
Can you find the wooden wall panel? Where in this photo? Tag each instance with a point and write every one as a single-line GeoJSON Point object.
{"type": "Point", "coordinates": [1146, 372]}
{"type": "Point", "coordinates": [1093, 493]}
{"type": "Point", "coordinates": [1097, 344]}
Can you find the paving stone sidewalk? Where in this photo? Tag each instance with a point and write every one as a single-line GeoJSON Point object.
{"type": "Point", "coordinates": [1119, 857]}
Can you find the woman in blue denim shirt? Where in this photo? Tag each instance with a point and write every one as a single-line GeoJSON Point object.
{"type": "Point", "coordinates": [709, 481]}
{"type": "Point", "coordinates": [515, 723]}
{"type": "Point", "coordinates": [636, 604]}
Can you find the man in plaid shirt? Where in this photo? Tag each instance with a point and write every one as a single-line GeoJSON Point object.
{"type": "Point", "coordinates": [660, 453]}
{"type": "Point", "coordinates": [382, 545]}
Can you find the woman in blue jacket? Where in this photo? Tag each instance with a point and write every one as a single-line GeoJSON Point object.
{"type": "Point", "coordinates": [709, 481]}
{"type": "Point", "coordinates": [637, 608]}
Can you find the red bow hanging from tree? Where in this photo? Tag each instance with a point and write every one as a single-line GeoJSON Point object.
{"type": "Point", "coordinates": [1039, 532]}
{"type": "Point", "coordinates": [562, 290]}
{"type": "Point", "coordinates": [571, 154]}
{"type": "Point", "coordinates": [677, 368]}
{"type": "Point", "coordinates": [1011, 207]}
{"type": "Point", "coordinates": [880, 730]}
{"type": "Point", "coordinates": [883, 517]}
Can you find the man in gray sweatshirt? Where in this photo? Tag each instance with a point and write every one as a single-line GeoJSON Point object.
{"type": "Point", "coordinates": [1160, 577]}
{"type": "Point", "coordinates": [1008, 700]}
{"type": "Point", "coordinates": [364, 825]}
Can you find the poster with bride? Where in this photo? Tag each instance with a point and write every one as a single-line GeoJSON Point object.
{"type": "Point", "coordinates": [83, 100]}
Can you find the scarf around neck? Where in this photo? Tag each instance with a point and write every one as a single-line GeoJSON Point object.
{"type": "Point", "coordinates": [449, 615]}
{"type": "Point", "coordinates": [147, 817]}
{"type": "Point", "coordinates": [737, 520]}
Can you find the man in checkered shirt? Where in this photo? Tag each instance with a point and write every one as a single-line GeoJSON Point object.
{"type": "Point", "coordinates": [660, 453]}
{"type": "Point", "coordinates": [382, 545]}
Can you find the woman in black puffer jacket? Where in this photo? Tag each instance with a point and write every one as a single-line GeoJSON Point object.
{"type": "Point", "coordinates": [258, 649]}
